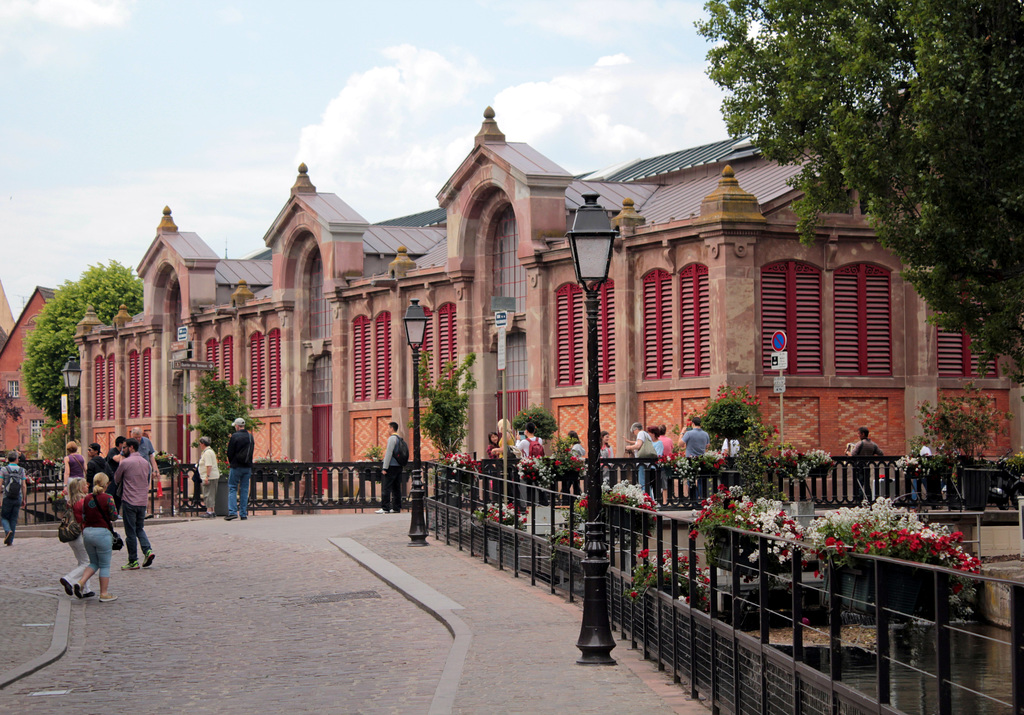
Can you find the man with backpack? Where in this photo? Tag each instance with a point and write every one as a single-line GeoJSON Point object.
{"type": "Point", "coordinates": [13, 485]}
{"type": "Point", "coordinates": [396, 456]}
{"type": "Point", "coordinates": [531, 445]}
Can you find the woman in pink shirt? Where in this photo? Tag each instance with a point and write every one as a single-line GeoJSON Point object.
{"type": "Point", "coordinates": [665, 440]}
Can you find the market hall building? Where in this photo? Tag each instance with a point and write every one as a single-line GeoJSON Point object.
{"type": "Point", "coordinates": [707, 267]}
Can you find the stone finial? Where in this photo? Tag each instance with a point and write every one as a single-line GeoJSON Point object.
{"type": "Point", "coordinates": [302, 183]}
{"type": "Point", "coordinates": [242, 294]}
{"type": "Point", "coordinates": [402, 264]}
{"type": "Point", "coordinates": [489, 132]}
{"type": "Point", "coordinates": [122, 317]}
{"type": "Point", "coordinates": [167, 224]}
{"type": "Point", "coordinates": [729, 202]}
{"type": "Point", "coordinates": [627, 217]}
{"type": "Point", "coordinates": [88, 322]}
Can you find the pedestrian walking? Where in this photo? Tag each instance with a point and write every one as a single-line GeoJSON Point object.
{"type": "Point", "coordinates": [97, 518]}
{"type": "Point", "coordinates": [77, 491]}
{"type": "Point", "coordinates": [74, 463]}
{"type": "Point", "coordinates": [391, 487]}
{"type": "Point", "coordinates": [14, 486]}
{"type": "Point", "coordinates": [241, 447]}
{"type": "Point", "coordinates": [133, 477]}
{"type": "Point", "coordinates": [95, 465]}
{"type": "Point", "coordinates": [148, 452]}
{"type": "Point", "coordinates": [209, 471]}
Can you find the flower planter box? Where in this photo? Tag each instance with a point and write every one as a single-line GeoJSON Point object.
{"type": "Point", "coordinates": [974, 485]}
{"type": "Point", "coordinates": [857, 588]}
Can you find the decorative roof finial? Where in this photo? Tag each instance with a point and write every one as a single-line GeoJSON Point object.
{"type": "Point", "coordinates": [489, 132]}
{"type": "Point", "coordinates": [122, 317]}
{"type": "Point", "coordinates": [242, 294]}
{"type": "Point", "coordinates": [729, 202]}
{"type": "Point", "coordinates": [89, 321]}
{"type": "Point", "coordinates": [627, 216]}
{"type": "Point", "coordinates": [302, 183]}
{"type": "Point", "coordinates": [402, 264]}
{"type": "Point", "coordinates": [167, 224]}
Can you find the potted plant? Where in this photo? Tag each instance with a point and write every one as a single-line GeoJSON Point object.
{"type": "Point", "coordinates": [542, 419]}
{"type": "Point", "coordinates": [727, 416]}
{"type": "Point", "coordinates": [444, 418]}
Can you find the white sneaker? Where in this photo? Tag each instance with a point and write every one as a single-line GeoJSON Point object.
{"type": "Point", "coordinates": [382, 511]}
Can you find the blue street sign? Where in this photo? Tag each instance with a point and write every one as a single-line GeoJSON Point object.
{"type": "Point", "coordinates": [778, 341]}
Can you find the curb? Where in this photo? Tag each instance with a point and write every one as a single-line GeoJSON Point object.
{"type": "Point", "coordinates": [58, 646]}
{"type": "Point", "coordinates": [436, 604]}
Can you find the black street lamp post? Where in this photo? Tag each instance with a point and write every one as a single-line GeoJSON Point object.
{"type": "Point", "coordinates": [590, 240]}
{"type": "Point", "coordinates": [415, 327]}
{"type": "Point", "coordinates": [72, 372]}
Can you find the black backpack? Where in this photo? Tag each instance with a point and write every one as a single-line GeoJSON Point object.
{"type": "Point", "coordinates": [12, 485]}
{"type": "Point", "coordinates": [401, 454]}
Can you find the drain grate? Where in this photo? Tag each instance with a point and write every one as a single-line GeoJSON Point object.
{"type": "Point", "coordinates": [337, 597]}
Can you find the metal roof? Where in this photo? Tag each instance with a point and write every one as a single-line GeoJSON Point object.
{"type": "Point", "coordinates": [725, 150]}
{"type": "Point", "coordinates": [254, 272]}
{"type": "Point", "coordinates": [189, 246]}
{"type": "Point", "coordinates": [436, 256]}
{"type": "Point", "coordinates": [610, 194]}
{"type": "Point", "coordinates": [330, 208]}
{"type": "Point", "coordinates": [527, 159]}
{"type": "Point", "coordinates": [387, 239]}
{"type": "Point", "coordinates": [432, 217]}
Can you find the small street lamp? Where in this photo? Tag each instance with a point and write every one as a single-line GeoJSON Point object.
{"type": "Point", "coordinates": [590, 240]}
{"type": "Point", "coordinates": [72, 372]}
{"type": "Point", "coordinates": [415, 328]}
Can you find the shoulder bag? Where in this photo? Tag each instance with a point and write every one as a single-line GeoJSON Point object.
{"type": "Point", "coordinates": [646, 450]}
{"type": "Point", "coordinates": [69, 528]}
{"type": "Point", "coordinates": [117, 543]}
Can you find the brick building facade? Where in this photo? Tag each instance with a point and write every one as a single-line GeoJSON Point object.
{"type": "Point", "coordinates": [28, 429]}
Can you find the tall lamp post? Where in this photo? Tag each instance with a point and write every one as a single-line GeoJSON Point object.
{"type": "Point", "coordinates": [590, 240]}
{"type": "Point", "coordinates": [415, 328]}
{"type": "Point", "coordinates": [72, 372]}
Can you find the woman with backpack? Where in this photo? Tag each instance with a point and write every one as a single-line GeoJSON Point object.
{"type": "Point", "coordinates": [13, 485]}
{"type": "Point", "coordinates": [77, 489]}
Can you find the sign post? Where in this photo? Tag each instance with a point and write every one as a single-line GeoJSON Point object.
{"type": "Point", "coordinates": [780, 362]}
{"type": "Point", "coordinates": [501, 323]}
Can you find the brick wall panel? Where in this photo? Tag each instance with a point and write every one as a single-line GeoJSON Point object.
{"type": "Point", "coordinates": [803, 421]}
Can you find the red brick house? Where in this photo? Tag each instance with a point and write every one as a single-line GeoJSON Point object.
{"type": "Point", "coordinates": [29, 428]}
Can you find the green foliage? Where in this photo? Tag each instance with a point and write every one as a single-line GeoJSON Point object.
{"type": "Point", "coordinates": [728, 416]}
{"type": "Point", "coordinates": [962, 424]}
{"type": "Point", "coordinates": [542, 419]}
{"type": "Point", "coordinates": [373, 453]}
{"type": "Point", "coordinates": [51, 343]}
{"type": "Point", "coordinates": [447, 403]}
{"type": "Point", "coordinates": [915, 105]}
{"type": "Point", "coordinates": [218, 404]}
{"type": "Point", "coordinates": [54, 442]}
{"type": "Point", "coordinates": [757, 461]}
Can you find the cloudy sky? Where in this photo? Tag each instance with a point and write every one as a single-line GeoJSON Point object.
{"type": "Point", "coordinates": [114, 108]}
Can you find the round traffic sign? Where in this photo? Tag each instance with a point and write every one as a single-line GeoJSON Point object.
{"type": "Point", "coordinates": [778, 341]}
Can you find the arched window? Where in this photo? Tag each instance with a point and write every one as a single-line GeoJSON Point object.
{"type": "Point", "coordinates": [862, 313]}
{"type": "Point", "coordinates": [227, 352]}
{"type": "Point", "coordinates": [213, 355]}
{"type": "Point", "coordinates": [791, 301]}
{"type": "Point", "coordinates": [382, 354]}
{"type": "Point", "coordinates": [694, 307]}
{"type": "Point", "coordinates": [257, 394]}
{"type": "Point", "coordinates": [569, 334]}
{"type": "Point", "coordinates": [509, 274]}
{"type": "Point", "coordinates": [361, 359]}
{"type": "Point", "coordinates": [319, 312]}
{"type": "Point", "coordinates": [447, 350]}
{"type": "Point", "coordinates": [955, 358]}
{"type": "Point", "coordinates": [657, 325]}
{"type": "Point", "coordinates": [134, 396]}
{"type": "Point", "coordinates": [111, 371]}
{"type": "Point", "coordinates": [274, 368]}
{"type": "Point", "coordinates": [147, 383]}
{"type": "Point", "coordinates": [99, 400]}
{"type": "Point", "coordinates": [606, 333]}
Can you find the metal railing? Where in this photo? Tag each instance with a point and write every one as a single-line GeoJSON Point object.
{"type": "Point", "coordinates": [771, 634]}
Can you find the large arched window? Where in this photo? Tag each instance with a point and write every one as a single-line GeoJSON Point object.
{"type": "Point", "coordinates": [319, 313]}
{"type": "Point", "coordinates": [382, 354]}
{"type": "Point", "coordinates": [274, 368]}
{"type": "Point", "coordinates": [509, 274]}
{"type": "Point", "coordinates": [257, 394]}
{"type": "Point", "coordinates": [694, 307]}
{"type": "Point", "coordinates": [606, 333]}
{"type": "Point", "coordinates": [657, 286]}
{"type": "Point", "coordinates": [791, 302]}
{"type": "Point", "coordinates": [862, 320]}
{"type": "Point", "coordinates": [361, 359]}
{"type": "Point", "coordinates": [569, 335]}
{"type": "Point", "coordinates": [134, 394]}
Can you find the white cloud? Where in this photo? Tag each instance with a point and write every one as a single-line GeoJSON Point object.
{"type": "Point", "coordinates": [603, 20]}
{"type": "Point", "coordinates": [612, 60]}
{"type": "Point", "coordinates": [75, 14]}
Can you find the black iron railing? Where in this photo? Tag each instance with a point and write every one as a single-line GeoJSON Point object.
{"type": "Point", "coordinates": [760, 633]}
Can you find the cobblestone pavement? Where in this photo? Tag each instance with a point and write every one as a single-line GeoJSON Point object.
{"type": "Point", "coordinates": [26, 619]}
{"type": "Point", "coordinates": [269, 616]}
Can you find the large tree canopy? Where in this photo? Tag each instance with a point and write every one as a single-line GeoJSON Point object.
{"type": "Point", "coordinates": [918, 105]}
{"type": "Point", "coordinates": [52, 342]}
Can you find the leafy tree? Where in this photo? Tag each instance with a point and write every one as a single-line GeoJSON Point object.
{"type": "Point", "coordinates": [962, 425]}
{"type": "Point", "coordinates": [731, 413]}
{"type": "Point", "coordinates": [51, 343]}
{"type": "Point", "coordinates": [9, 410]}
{"type": "Point", "coordinates": [218, 405]}
{"type": "Point", "coordinates": [916, 105]}
{"type": "Point", "coordinates": [444, 419]}
{"type": "Point", "coordinates": [542, 419]}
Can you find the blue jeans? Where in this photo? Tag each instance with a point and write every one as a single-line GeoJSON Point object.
{"type": "Point", "coordinates": [238, 491]}
{"type": "Point", "coordinates": [134, 530]}
{"type": "Point", "coordinates": [97, 541]}
{"type": "Point", "coordinates": [646, 477]}
{"type": "Point", "coordinates": [9, 514]}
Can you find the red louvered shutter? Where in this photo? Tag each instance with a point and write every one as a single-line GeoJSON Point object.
{"type": "Point", "coordinates": [147, 382]}
{"type": "Point", "coordinates": [111, 371]}
{"type": "Point", "coordinates": [791, 301]}
{"type": "Point", "coordinates": [382, 334]}
{"type": "Point", "coordinates": [606, 333]}
{"type": "Point", "coordinates": [955, 358]}
{"type": "Point", "coordinates": [133, 384]}
{"type": "Point", "coordinates": [256, 374]}
{"type": "Point", "coordinates": [807, 319]}
{"type": "Point", "coordinates": [878, 321]}
{"type": "Point", "coordinates": [847, 321]}
{"type": "Point", "coordinates": [569, 335]}
{"type": "Point", "coordinates": [274, 368]}
{"type": "Point", "coordinates": [227, 351]}
{"type": "Point", "coordinates": [694, 307]}
{"type": "Point", "coordinates": [446, 347]}
{"type": "Point", "coordinates": [212, 353]}
{"type": "Point", "coordinates": [99, 411]}
{"type": "Point", "coordinates": [657, 325]}
{"type": "Point", "coordinates": [361, 358]}
{"type": "Point", "coordinates": [863, 331]}
{"type": "Point", "coordinates": [704, 321]}
{"type": "Point", "coordinates": [428, 340]}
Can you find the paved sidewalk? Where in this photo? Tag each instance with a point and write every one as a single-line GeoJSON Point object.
{"type": "Point", "coordinates": [268, 615]}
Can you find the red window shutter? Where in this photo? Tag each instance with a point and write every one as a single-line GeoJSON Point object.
{"type": "Point", "coordinates": [863, 341]}
{"type": "Point", "coordinates": [133, 384]}
{"type": "Point", "coordinates": [427, 348]}
{"type": "Point", "coordinates": [256, 374]}
{"type": "Point", "coordinates": [147, 383]}
{"type": "Point", "coordinates": [791, 301]}
{"type": "Point", "coordinates": [694, 307]}
{"type": "Point", "coordinates": [606, 333]}
{"type": "Point", "coordinates": [227, 348]}
{"type": "Point", "coordinates": [878, 321]}
{"type": "Point", "coordinates": [99, 411]}
{"type": "Point", "coordinates": [382, 335]}
{"type": "Point", "coordinates": [361, 359]}
{"type": "Point", "coordinates": [847, 321]}
{"type": "Point", "coordinates": [955, 358]}
{"type": "Point", "coordinates": [274, 368]}
{"type": "Point", "coordinates": [212, 354]}
{"type": "Point", "coordinates": [657, 325]}
{"type": "Point", "coordinates": [569, 334]}
{"type": "Point", "coordinates": [110, 387]}
{"type": "Point", "coordinates": [446, 342]}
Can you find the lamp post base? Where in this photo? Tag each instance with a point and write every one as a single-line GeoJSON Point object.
{"type": "Point", "coordinates": [418, 523]}
{"type": "Point", "coordinates": [596, 641]}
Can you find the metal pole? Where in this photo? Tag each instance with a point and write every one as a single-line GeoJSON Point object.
{"type": "Point", "coordinates": [418, 524]}
{"type": "Point", "coordinates": [595, 641]}
{"type": "Point", "coordinates": [71, 415]}
{"type": "Point", "coordinates": [782, 416]}
{"type": "Point", "coordinates": [505, 491]}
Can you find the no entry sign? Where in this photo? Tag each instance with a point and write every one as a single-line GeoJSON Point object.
{"type": "Point", "coordinates": [778, 341]}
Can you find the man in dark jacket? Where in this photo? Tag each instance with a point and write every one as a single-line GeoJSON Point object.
{"type": "Point", "coordinates": [97, 465]}
{"type": "Point", "coordinates": [241, 447]}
